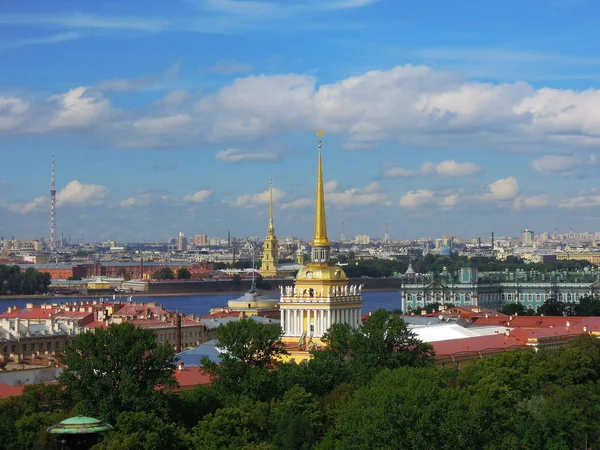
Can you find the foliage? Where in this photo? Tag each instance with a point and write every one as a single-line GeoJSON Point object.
{"type": "Point", "coordinates": [251, 352]}
{"type": "Point", "coordinates": [516, 309]}
{"type": "Point", "coordinates": [374, 387]}
{"type": "Point", "coordinates": [118, 369]}
{"type": "Point", "coordinates": [382, 341]}
{"type": "Point", "coordinates": [28, 282]}
{"type": "Point", "coordinates": [183, 274]}
{"type": "Point", "coordinates": [588, 306]}
{"type": "Point", "coordinates": [144, 431]}
{"type": "Point", "coordinates": [552, 307]}
{"type": "Point", "coordinates": [164, 273]}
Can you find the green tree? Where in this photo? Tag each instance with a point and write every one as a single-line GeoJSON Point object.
{"type": "Point", "coordinates": [190, 406]}
{"type": "Point", "coordinates": [183, 274]}
{"type": "Point", "coordinates": [552, 307]}
{"type": "Point", "coordinates": [513, 309]}
{"type": "Point", "coordinates": [588, 306]}
{"type": "Point", "coordinates": [298, 420]}
{"type": "Point", "coordinates": [144, 431]}
{"type": "Point", "coordinates": [164, 273]}
{"type": "Point", "coordinates": [118, 369]}
{"type": "Point", "coordinates": [251, 352]}
{"type": "Point", "coordinates": [382, 341]}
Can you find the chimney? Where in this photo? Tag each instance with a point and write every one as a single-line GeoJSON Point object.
{"type": "Point", "coordinates": [507, 332]}
{"type": "Point", "coordinates": [585, 328]}
{"type": "Point", "coordinates": [178, 335]}
{"type": "Point", "coordinates": [181, 365]}
{"type": "Point", "coordinates": [568, 324]}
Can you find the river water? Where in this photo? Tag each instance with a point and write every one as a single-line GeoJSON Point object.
{"type": "Point", "coordinates": [201, 305]}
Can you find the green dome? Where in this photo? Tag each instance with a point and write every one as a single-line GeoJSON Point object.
{"type": "Point", "coordinates": [80, 425]}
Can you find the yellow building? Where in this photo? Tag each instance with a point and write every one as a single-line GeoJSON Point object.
{"type": "Point", "coordinates": [270, 258]}
{"type": "Point", "coordinates": [321, 296]}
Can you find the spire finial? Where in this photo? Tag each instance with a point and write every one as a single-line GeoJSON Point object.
{"type": "Point", "coordinates": [271, 226]}
{"type": "Point", "coordinates": [320, 238]}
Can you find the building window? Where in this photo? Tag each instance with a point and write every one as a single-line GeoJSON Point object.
{"type": "Point", "coordinates": [409, 297]}
{"type": "Point", "coordinates": [538, 297]}
{"type": "Point", "coordinates": [24, 347]}
{"type": "Point", "coordinates": [510, 297]}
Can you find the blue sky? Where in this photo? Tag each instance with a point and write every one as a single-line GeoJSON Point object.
{"type": "Point", "coordinates": [440, 117]}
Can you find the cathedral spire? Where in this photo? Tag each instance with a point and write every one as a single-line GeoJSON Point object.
{"type": "Point", "coordinates": [320, 238]}
{"type": "Point", "coordinates": [271, 225]}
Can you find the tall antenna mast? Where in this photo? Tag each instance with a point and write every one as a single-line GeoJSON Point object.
{"type": "Point", "coordinates": [386, 237]}
{"type": "Point", "coordinates": [52, 207]}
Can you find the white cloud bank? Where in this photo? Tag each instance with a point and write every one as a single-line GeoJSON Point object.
{"type": "Point", "coordinates": [448, 168]}
{"type": "Point", "coordinates": [410, 105]}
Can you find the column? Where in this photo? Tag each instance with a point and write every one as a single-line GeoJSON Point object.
{"type": "Point", "coordinates": [287, 322]}
{"type": "Point", "coordinates": [308, 322]}
{"type": "Point", "coordinates": [316, 322]}
{"type": "Point", "coordinates": [301, 322]}
{"type": "Point", "coordinates": [328, 318]}
{"type": "Point", "coordinates": [281, 321]}
{"type": "Point", "coordinates": [353, 318]}
{"type": "Point", "coordinates": [321, 320]}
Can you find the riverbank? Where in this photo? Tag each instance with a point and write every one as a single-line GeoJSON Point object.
{"type": "Point", "coordinates": [49, 298]}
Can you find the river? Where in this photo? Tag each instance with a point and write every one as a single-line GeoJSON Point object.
{"type": "Point", "coordinates": [201, 305]}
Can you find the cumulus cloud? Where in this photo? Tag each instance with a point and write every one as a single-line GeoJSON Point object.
{"type": "Point", "coordinates": [532, 202]}
{"type": "Point", "coordinates": [297, 204]}
{"type": "Point", "coordinates": [450, 168]}
{"type": "Point", "coordinates": [563, 165]}
{"type": "Point", "coordinates": [417, 197]}
{"type": "Point", "coordinates": [78, 194]}
{"type": "Point", "coordinates": [232, 155]}
{"type": "Point", "coordinates": [504, 189]}
{"type": "Point", "coordinates": [143, 198]}
{"type": "Point", "coordinates": [413, 105]}
{"type": "Point", "coordinates": [261, 198]}
{"type": "Point", "coordinates": [199, 197]}
{"type": "Point", "coordinates": [369, 195]}
{"type": "Point", "coordinates": [24, 208]}
{"type": "Point", "coordinates": [588, 200]}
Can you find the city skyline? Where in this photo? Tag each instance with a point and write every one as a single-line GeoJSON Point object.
{"type": "Point", "coordinates": [176, 119]}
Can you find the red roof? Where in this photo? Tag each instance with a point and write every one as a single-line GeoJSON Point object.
{"type": "Point", "coordinates": [190, 377]}
{"type": "Point", "coordinates": [460, 347]}
{"type": "Point", "coordinates": [29, 313]}
{"type": "Point", "coordinates": [9, 391]}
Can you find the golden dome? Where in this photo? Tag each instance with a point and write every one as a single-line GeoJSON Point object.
{"type": "Point", "coordinates": [321, 272]}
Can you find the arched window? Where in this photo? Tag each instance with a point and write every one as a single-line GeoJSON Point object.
{"type": "Point", "coordinates": [409, 297]}
{"type": "Point", "coordinates": [438, 298]}
{"type": "Point", "coordinates": [510, 297]}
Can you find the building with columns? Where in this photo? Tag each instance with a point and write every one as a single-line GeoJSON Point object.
{"type": "Point", "coordinates": [321, 295]}
{"type": "Point", "coordinates": [469, 287]}
{"type": "Point", "coordinates": [270, 257]}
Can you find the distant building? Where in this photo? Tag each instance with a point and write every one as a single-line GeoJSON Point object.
{"type": "Point", "coordinates": [362, 239]}
{"type": "Point", "coordinates": [181, 242]}
{"type": "Point", "coordinates": [492, 290]}
{"type": "Point", "coordinates": [527, 237]}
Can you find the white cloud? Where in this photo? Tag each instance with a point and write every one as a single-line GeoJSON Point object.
{"type": "Point", "coordinates": [261, 198]}
{"type": "Point", "coordinates": [199, 197]}
{"type": "Point", "coordinates": [143, 198]}
{"type": "Point", "coordinates": [417, 197]}
{"type": "Point", "coordinates": [457, 169]}
{"type": "Point", "coordinates": [297, 204]}
{"type": "Point", "coordinates": [504, 189]}
{"type": "Point", "coordinates": [449, 201]}
{"type": "Point", "coordinates": [36, 205]}
{"type": "Point", "coordinates": [232, 155]}
{"type": "Point", "coordinates": [563, 165]}
{"type": "Point", "coordinates": [589, 200]}
{"type": "Point", "coordinates": [77, 194]}
{"type": "Point", "coordinates": [532, 202]}
{"type": "Point", "coordinates": [369, 195]}
{"type": "Point", "coordinates": [415, 106]}
{"type": "Point", "coordinates": [78, 108]}
{"type": "Point", "coordinates": [330, 186]}
{"type": "Point", "coordinates": [448, 168]}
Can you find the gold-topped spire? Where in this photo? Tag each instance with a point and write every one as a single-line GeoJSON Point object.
{"type": "Point", "coordinates": [271, 226]}
{"type": "Point", "coordinates": [320, 238]}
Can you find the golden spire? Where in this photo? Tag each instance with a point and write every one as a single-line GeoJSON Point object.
{"type": "Point", "coordinates": [320, 238]}
{"type": "Point", "coordinates": [271, 226]}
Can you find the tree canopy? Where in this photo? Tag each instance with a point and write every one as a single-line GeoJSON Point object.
{"type": "Point", "coordinates": [27, 282]}
{"type": "Point", "coordinates": [117, 369]}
